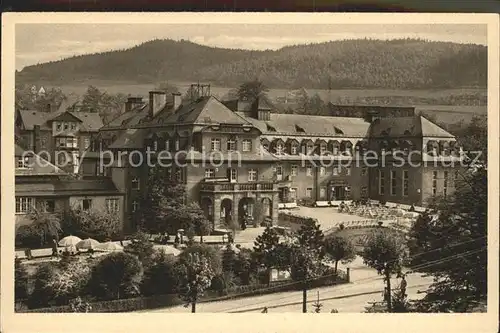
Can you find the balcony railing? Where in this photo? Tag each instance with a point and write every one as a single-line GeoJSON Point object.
{"type": "Point", "coordinates": [236, 187]}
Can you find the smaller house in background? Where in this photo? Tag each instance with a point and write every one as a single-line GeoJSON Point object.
{"type": "Point", "coordinates": [64, 138]}
{"type": "Point", "coordinates": [43, 186]}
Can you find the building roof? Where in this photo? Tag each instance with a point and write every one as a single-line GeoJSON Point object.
{"type": "Point", "coordinates": [91, 122]}
{"type": "Point", "coordinates": [40, 166]}
{"type": "Point", "coordinates": [206, 110]}
{"type": "Point", "coordinates": [417, 126]}
{"type": "Point", "coordinates": [69, 187]}
{"type": "Point", "coordinates": [291, 124]}
{"type": "Point", "coordinates": [132, 138]}
{"type": "Point", "coordinates": [130, 118]}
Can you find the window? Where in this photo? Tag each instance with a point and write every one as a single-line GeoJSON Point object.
{"type": "Point", "coordinates": [266, 146]}
{"type": "Point", "coordinates": [178, 144]}
{"type": "Point", "coordinates": [364, 192]}
{"type": "Point", "coordinates": [310, 148]}
{"type": "Point", "coordinates": [209, 173]}
{"type": "Point", "coordinates": [279, 148]}
{"type": "Point", "coordinates": [322, 171]}
{"type": "Point", "coordinates": [381, 181]}
{"type": "Point", "coordinates": [322, 149]}
{"type": "Point", "coordinates": [231, 144]}
{"type": "Point", "coordinates": [434, 182]}
{"type": "Point", "coordinates": [294, 170]}
{"type": "Point", "coordinates": [405, 182]}
{"type": "Point", "coordinates": [135, 206]}
{"type": "Point", "coordinates": [335, 150]}
{"type": "Point", "coordinates": [135, 183]}
{"type": "Point", "coordinates": [309, 171]}
{"type": "Point", "coordinates": [215, 144]}
{"type": "Point", "coordinates": [58, 127]}
{"type": "Point", "coordinates": [348, 170]}
{"type": "Point", "coordinates": [86, 143]}
{"type": "Point", "coordinates": [155, 145]}
{"type": "Point", "coordinates": [393, 182]}
{"type": "Point", "coordinates": [309, 192]}
{"type": "Point", "coordinates": [247, 145]}
{"type": "Point", "coordinates": [252, 175]}
{"type": "Point", "coordinates": [335, 171]}
{"type": "Point", "coordinates": [364, 171]}
{"type": "Point", "coordinates": [294, 149]}
{"type": "Point", "coordinates": [167, 145]}
{"type": "Point", "coordinates": [73, 126]}
{"type": "Point", "coordinates": [279, 172]}
{"type": "Point", "coordinates": [112, 205]}
{"type": "Point", "coordinates": [24, 205]}
{"type": "Point", "coordinates": [233, 173]}
{"type": "Point", "coordinates": [322, 192]}
{"type": "Point", "coordinates": [66, 126]}
{"type": "Point", "coordinates": [48, 206]}
{"type": "Point", "coordinates": [22, 162]}
{"type": "Point", "coordinates": [445, 184]}
{"type": "Point", "coordinates": [347, 192]}
{"type": "Point", "coordinates": [86, 204]}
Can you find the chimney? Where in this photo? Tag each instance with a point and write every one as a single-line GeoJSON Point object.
{"type": "Point", "coordinates": [36, 138]}
{"type": "Point", "coordinates": [157, 101]}
{"type": "Point", "coordinates": [132, 102]}
{"type": "Point", "coordinates": [177, 99]}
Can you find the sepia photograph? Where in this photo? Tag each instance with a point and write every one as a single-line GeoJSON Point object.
{"type": "Point", "coordinates": [313, 166]}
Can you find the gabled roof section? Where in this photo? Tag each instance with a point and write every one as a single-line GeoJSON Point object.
{"type": "Point", "coordinates": [133, 138]}
{"type": "Point", "coordinates": [64, 116]}
{"type": "Point", "coordinates": [90, 121]}
{"type": "Point", "coordinates": [206, 110]}
{"type": "Point", "coordinates": [39, 166]}
{"type": "Point", "coordinates": [429, 129]}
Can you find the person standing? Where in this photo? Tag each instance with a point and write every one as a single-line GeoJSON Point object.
{"type": "Point", "coordinates": [55, 252]}
{"type": "Point", "coordinates": [403, 285]}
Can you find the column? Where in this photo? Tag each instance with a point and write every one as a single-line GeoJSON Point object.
{"type": "Point", "coordinates": [216, 212]}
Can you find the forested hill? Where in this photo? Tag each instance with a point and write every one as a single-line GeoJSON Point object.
{"type": "Point", "coordinates": [404, 63]}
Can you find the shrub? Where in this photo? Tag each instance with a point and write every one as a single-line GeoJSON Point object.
{"type": "Point", "coordinates": [115, 276]}
{"type": "Point", "coordinates": [20, 280]}
{"type": "Point", "coordinates": [92, 223]}
{"type": "Point", "coordinates": [26, 237]}
{"type": "Point", "coordinates": [161, 277]}
{"type": "Point", "coordinates": [211, 253]}
{"type": "Point", "coordinates": [42, 293]}
{"type": "Point", "coordinates": [70, 280]}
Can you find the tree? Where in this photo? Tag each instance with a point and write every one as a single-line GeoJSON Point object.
{"type": "Point", "coordinates": [196, 276]}
{"type": "Point", "coordinates": [450, 244]}
{"type": "Point", "coordinates": [115, 276]}
{"type": "Point", "coordinates": [252, 90]}
{"type": "Point", "coordinates": [161, 277]}
{"type": "Point", "coordinates": [269, 252]}
{"type": "Point", "coordinates": [142, 248]}
{"type": "Point", "coordinates": [91, 99]}
{"type": "Point", "coordinates": [20, 280]}
{"type": "Point", "coordinates": [212, 254]}
{"type": "Point", "coordinates": [45, 225]}
{"type": "Point", "coordinates": [192, 217]}
{"type": "Point", "coordinates": [339, 248]}
{"type": "Point", "coordinates": [26, 100]}
{"type": "Point", "coordinates": [385, 251]}
{"type": "Point", "coordinates": [92, 223]}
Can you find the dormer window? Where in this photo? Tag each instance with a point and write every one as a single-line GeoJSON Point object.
{"type": "Point", "coordinates": [66, 126]}
{"type": "Point", "coordinates": [58, 126]}
{"type": "Point", "coordinates": [270, 128]}
{"type": "Point", "coordinates": [294, 149]}
{"type": "Point", "coordinates": [279, 148]}
{"type": "Point", "coordinates": [73, 126]}
{"type": "Point", "coordinates": [322, 149]}
{"type": "Point", "coordinates": [299, 129]}
{"type": "Point", "coordinates": [247, 145]}
{"type": "Point", "coordinates": [338, 131]}
{"type": "Point", "coordinates": [310, 148]}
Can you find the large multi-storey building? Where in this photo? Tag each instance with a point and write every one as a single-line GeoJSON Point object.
{"type": "Point", "coordinates": [240, 157]}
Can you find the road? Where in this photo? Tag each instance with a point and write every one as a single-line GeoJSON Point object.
{"type": "Point", "coordinates": [366, 287]}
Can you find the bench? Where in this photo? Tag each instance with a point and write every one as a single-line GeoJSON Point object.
{"type": "Point", "coordinates": [405, 207]}
{"type": "Point", "coordinates": [322, 204]}
{"type": "Point", "coordinates": [281, 206]}
{"type": "Point", "coordinates": [391, 205]}
{"type": "Point", "coordinates": [374, 202]}
{"type": "Point", "coordinates": [290, 205]}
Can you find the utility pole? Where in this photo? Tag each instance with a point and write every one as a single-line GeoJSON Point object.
{"type": "Point", "coordinates": [304, 292]}
{"type": "Point", "coordinates": [389, 295]}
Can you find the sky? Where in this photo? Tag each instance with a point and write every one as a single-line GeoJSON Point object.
{"type": "Point", "coordinates": [39, 43]}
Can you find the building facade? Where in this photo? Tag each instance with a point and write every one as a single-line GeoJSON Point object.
{"type": "Point", "coordinates": [43, 186]}
{"type": "Point", "coordinates": [241, 158]}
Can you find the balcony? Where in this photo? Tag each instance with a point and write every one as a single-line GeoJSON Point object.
{"type": "Point", "coordinates": [239, 187]}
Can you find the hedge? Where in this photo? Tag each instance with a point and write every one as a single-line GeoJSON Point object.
{"type": "Point", "coordinates": [161, 301]}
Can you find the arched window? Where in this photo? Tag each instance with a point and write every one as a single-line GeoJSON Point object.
{"type": "Point", "coordinates": [432, 148]}
{"type": "Point", "coordinates": [346, 147]}
{"type": "Point", "coordinates": [334, 146]}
